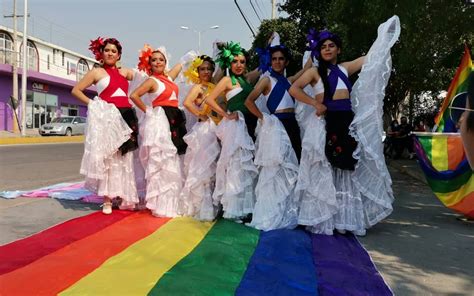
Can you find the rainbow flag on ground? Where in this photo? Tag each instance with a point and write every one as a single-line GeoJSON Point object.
{"type": "Point", "coordinates": [134, 253]}
{"type": "Point", "coordinates": [443, 122]}
{"type": "Point", "coordinates": [443, 161]}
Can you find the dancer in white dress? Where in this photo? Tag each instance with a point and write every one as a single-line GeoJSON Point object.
{"type": "Point", "coordinates": [203, 148]}
{"type": "Point", "coordinates": [236, 172]}
{"type": "Point", "coordinates": [278, 144]}
{"type": "Point", "coordinates": [360, 193]}
{"type": "Point", "coordinates": [111, 133]}
{"type": "Point", "coordinates": [162, 129]}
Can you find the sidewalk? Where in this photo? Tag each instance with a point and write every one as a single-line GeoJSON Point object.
{"type": "Point", "coordinates": [33, 137]}
{"type": "Point", "coordinates": [408, 167]}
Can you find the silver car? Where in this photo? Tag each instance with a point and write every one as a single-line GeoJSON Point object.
{"type": "Point", "coordinates": [65, 126]}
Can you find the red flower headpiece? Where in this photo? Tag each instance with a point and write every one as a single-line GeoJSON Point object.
{"type": "Point", "coordinates": [144, 59]}
{"type": "Point", "coordinates": [95, 46]}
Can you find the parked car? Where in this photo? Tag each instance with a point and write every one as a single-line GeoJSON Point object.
{"type": "Point", "coordinates": [65, 126]}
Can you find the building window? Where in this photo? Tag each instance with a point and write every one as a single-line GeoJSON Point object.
{"type": "Point", "coordinates": [33, 61]}
{"type": "Point", "coordinates": [69, 110]}
{"type": "Point", "coordinates": [48, 62]}
{"type": "Point", "coordinates": [82, 69]}
{"type": "Point", "coordinates": [32, 57]}
{"type": "Point", "coordinates": [6, 48]}
{"type": "Point", "coordinates": [41, 108]}
{"type": "Point", "coordinates": [54, 56]}
{"type": "Point", "coordinates": [63, 58]}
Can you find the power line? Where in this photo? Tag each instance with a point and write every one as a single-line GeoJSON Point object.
{"type": "Point", "coordinates": [264, 15]}
{"type": "Point", "coordinates": [255, 11]}
{"type": "Point", "coordinates": [74, 34]}
{"type": "Point", "coordinates": [245, 19]}
{"type": "Point", "coordinates": [54, 29]}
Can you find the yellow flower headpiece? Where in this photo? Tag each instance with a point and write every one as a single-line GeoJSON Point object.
{"type": "Point", "coordinates": [191, 73]}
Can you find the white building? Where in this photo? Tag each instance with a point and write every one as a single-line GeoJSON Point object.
{"type": "Point", "coordinates": [52, 72]}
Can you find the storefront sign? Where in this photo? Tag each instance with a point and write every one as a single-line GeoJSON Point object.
{"type": "Point", "coordinates": [40, 86]}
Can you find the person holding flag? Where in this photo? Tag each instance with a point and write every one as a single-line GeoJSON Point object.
{"type": "Point", "coordinates": [458, 87]}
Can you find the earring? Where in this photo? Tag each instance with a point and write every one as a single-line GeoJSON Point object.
{"type": "Point", "coordinates": [101, 62]}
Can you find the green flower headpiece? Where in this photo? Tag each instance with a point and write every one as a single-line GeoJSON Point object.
{"type": "Point", "coordinates": [227, 53]}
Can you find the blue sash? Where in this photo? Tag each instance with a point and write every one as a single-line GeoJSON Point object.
{"type": "Point", "coordinates": [333, 77]}
{"type": "Point", "coordinates": [278, 91]}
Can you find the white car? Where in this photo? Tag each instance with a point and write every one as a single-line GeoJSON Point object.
{"type": "Point", "coordinates": [64, 126]}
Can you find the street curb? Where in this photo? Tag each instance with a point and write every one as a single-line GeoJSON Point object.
{"type": "Point", "coordinates": [402, 169]}
{"type": "Point", "coordinates": [41, 140]}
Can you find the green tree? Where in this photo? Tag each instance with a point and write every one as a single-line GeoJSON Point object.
{"type": "Point", "coordinates": [289, 33]}
{"type": "Point", "coordinates": [425, 58]}
{"type": "Point", "coordinates": [308, 13]}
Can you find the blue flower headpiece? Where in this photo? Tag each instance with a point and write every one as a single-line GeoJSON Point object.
{"type": "Point", "coordinates": [264, 59]}
{"type": "Point", "coordinates": [316, 39]}
{"type": "Point", "coordinates": [265, 56]}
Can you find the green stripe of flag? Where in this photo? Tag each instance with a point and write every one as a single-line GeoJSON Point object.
{"type": "Point", "coordinates": [427, 147]}
{"type": "Point", "coordinates": [446, 186]}
{"type": "Point", "coordinates": [216, 266]}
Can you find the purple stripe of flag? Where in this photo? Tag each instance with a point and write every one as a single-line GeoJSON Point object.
{"type": "Point", "coordinates": [344, 267]}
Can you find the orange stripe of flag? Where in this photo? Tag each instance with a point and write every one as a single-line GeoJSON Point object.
{"type": "Point", "coordinates": [59, 270]}
{"type": "Point", "coordinates": [465, 206]}
{"type": "Point", "coordinates": [455, 152]}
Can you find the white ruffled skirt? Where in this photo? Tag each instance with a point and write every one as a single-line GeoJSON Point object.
{"type": "Point", "coordinates": [276, 204]}
{"type": "Point", "coordinates": [160, 159]}
{"type": "Point", "coordinates": [236, 172]}
{"type": "Point", "coordinates": [331, 198]}
{"type": "Point", "coordinates": [354, 200]}
{"type": "Point", "coordinates": [200, 166]}
{"type": "Point", "coordinates": [106, 171]}
{"type": "Point", "coordinates": [315, 187]}
{"type": "Point", "coordinates": [140, 179]}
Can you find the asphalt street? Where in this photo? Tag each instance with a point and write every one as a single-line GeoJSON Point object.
{"type": "Point", "coordinates": [24, 167]}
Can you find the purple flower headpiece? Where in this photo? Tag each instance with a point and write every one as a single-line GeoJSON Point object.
{"type": "Point", "coordinates": [316, 39]}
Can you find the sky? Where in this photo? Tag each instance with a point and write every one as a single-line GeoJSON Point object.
{"type": "Point", "coordinates": [72, 23]}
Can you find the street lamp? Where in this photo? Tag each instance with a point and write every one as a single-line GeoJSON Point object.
{"type": "Point", "coordinates": [199, 33]}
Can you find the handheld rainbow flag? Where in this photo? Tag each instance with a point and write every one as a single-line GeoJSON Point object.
{"type": "Point", "coordinates": [443, 161]}
{"type": "Point", "coordinates": [443, 122]}
{"type": "Point", "coordinates": [134, 253]}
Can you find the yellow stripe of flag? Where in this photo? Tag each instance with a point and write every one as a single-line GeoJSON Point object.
{"type": "Point", "coordinates": [439, 153]}
{"type": "Point", "coordinates": [451, 198]}
{"type": "Point", "coordinates": [137, 269]}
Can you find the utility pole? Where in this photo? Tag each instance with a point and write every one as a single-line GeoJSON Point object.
{"type": "Point", "coordinates": [273, 9]}
{"type": "Point", "coordinates": [25, 70]}
{"type": "Point", "coordinates": [15, 64]}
